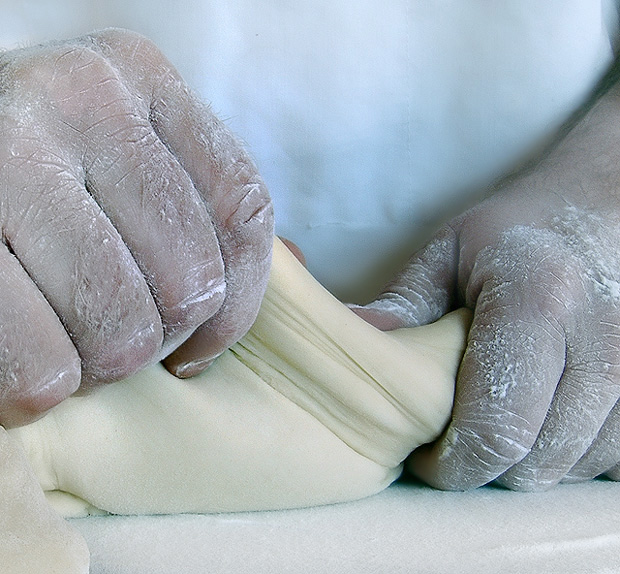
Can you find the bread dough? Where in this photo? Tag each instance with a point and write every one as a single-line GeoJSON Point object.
{"type": "Point", "coordinates": [312, 406]}
{"type": "Point", "coordinates": [33, 537]}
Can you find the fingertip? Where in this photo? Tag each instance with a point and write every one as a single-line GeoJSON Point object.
{"type": "Point", "coordinates": [439, 470]}
{"type": "Point", "coordinates": [382, 319]}
{"type": "Point", "coordinates": [187, 369]}
{"type": "Point", "coordinates": [426, 287]}
{"type": "Point", "coordinates": [197, 353]}
{"type": "Point", "coordinates": [475, 449]}
{"type": "Point", "coordinates": [231, 322]}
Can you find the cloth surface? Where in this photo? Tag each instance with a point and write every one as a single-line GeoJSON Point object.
{"type": "Point", "coordinates": [371, 123]}
{"type": "Point", "coordinates": [408, 528]}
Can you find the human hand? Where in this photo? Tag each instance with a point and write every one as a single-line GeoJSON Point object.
{"type": "Point", "coordinates": [134, 226]}
{"type": "Point", "coordinates": [537, 393]}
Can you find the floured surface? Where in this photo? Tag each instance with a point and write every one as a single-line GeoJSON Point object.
{"type": "Point", "coordinates": [572, 529]}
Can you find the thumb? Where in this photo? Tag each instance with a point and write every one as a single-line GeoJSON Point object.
{"type": "Point", "coordinates": [423, 291]}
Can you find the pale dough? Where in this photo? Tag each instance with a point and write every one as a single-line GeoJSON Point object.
{"type": "Point", "coordinates": [33, 538]}
{"type": "Point", "coordinates": [313, 406]}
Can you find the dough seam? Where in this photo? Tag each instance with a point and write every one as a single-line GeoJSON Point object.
{"type": "Point", "coordinates": [319, 405]}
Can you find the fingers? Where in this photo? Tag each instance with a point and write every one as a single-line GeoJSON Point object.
{"type": "Point", "coordinates": [512, 365]}
{"type": "Point", "coordinates": [535, 387]}
{"type": "Point", "coordinates": [423, 291]}
{"type": "Point", "coordinates": [595, 402]}
{"type": "Point", "coordinates": [146, 194]}
{"type": "Point", "coordinates": [181, 365]}
{"type": "Point", "coordinates": [181, 192]}
{"type": "Point", "coordinates": [39, 366]}
{"type": "Point", "coordinates": [142, 221]}
{"type": "Point", "coordinates": [79, 261]}
{"type": "Point", "coordinates": [243, 219]}
{"type": "Point", "coordinates": [586, 394]}
{"type": "Point", "coordinates": [226, 180]}
{"type": "Point", "coordinates": [603, 455]}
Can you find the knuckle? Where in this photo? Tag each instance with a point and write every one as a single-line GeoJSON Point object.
{"type": "Point", "coordinates": [114, 34]}
{"type": "Point", "coordinates": [130, 50]}
{"type": "Point", "coordinates": [65, 83]}
{"type": "Point", "coordinates": [596, 353]}
{"type": "Point", "coordinates": [251, 219]}
{"type": "Point", "coordinates": [487, 453]}
{"type": "Point", "coordinates": [122, 40]}
{"type": "Point", "coordinates": [246, 203]}
{"type": "Point", "coordinates": [194, 306]}
{"type": "Point", "coordinates": [527, 478]}
{"type": "Point", "coordinates": [535, 258]}
{"type": "Point", "coordinates": [118, 353]}
{"type": "Point", "coordinates": [50, 68]}
{"type": "Point", "coordinates": [557, 290]}
{"type": "Point", "coordinates": [187, 303]}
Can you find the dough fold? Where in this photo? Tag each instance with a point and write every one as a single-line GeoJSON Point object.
{"type": "Point", "coordinates": [313, 406]}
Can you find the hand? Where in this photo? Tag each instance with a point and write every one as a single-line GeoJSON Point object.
{"type": "Point", "coordinates": [133, 224]}
{"type": "Point", "coordinates": [539, 263]}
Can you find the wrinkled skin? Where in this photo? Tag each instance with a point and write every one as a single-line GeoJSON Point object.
{"type": "Point", "coordinates": [539, 263]}
{"type": "Point", "coordinates": [134, 226]}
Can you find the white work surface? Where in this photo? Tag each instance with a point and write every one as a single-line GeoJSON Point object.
{"type": "Point", "coordinates": [408, 528]}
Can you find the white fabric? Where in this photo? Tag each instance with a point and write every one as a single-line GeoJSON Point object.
{"type": "Point", "coordinates": [370, 121]}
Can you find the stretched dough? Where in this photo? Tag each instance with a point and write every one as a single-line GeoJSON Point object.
{"type": "Point", "coordinates": [313, 406]}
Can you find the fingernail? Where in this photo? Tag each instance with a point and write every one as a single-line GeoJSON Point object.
{"type": "Point", "coordinates": [191, 368]}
